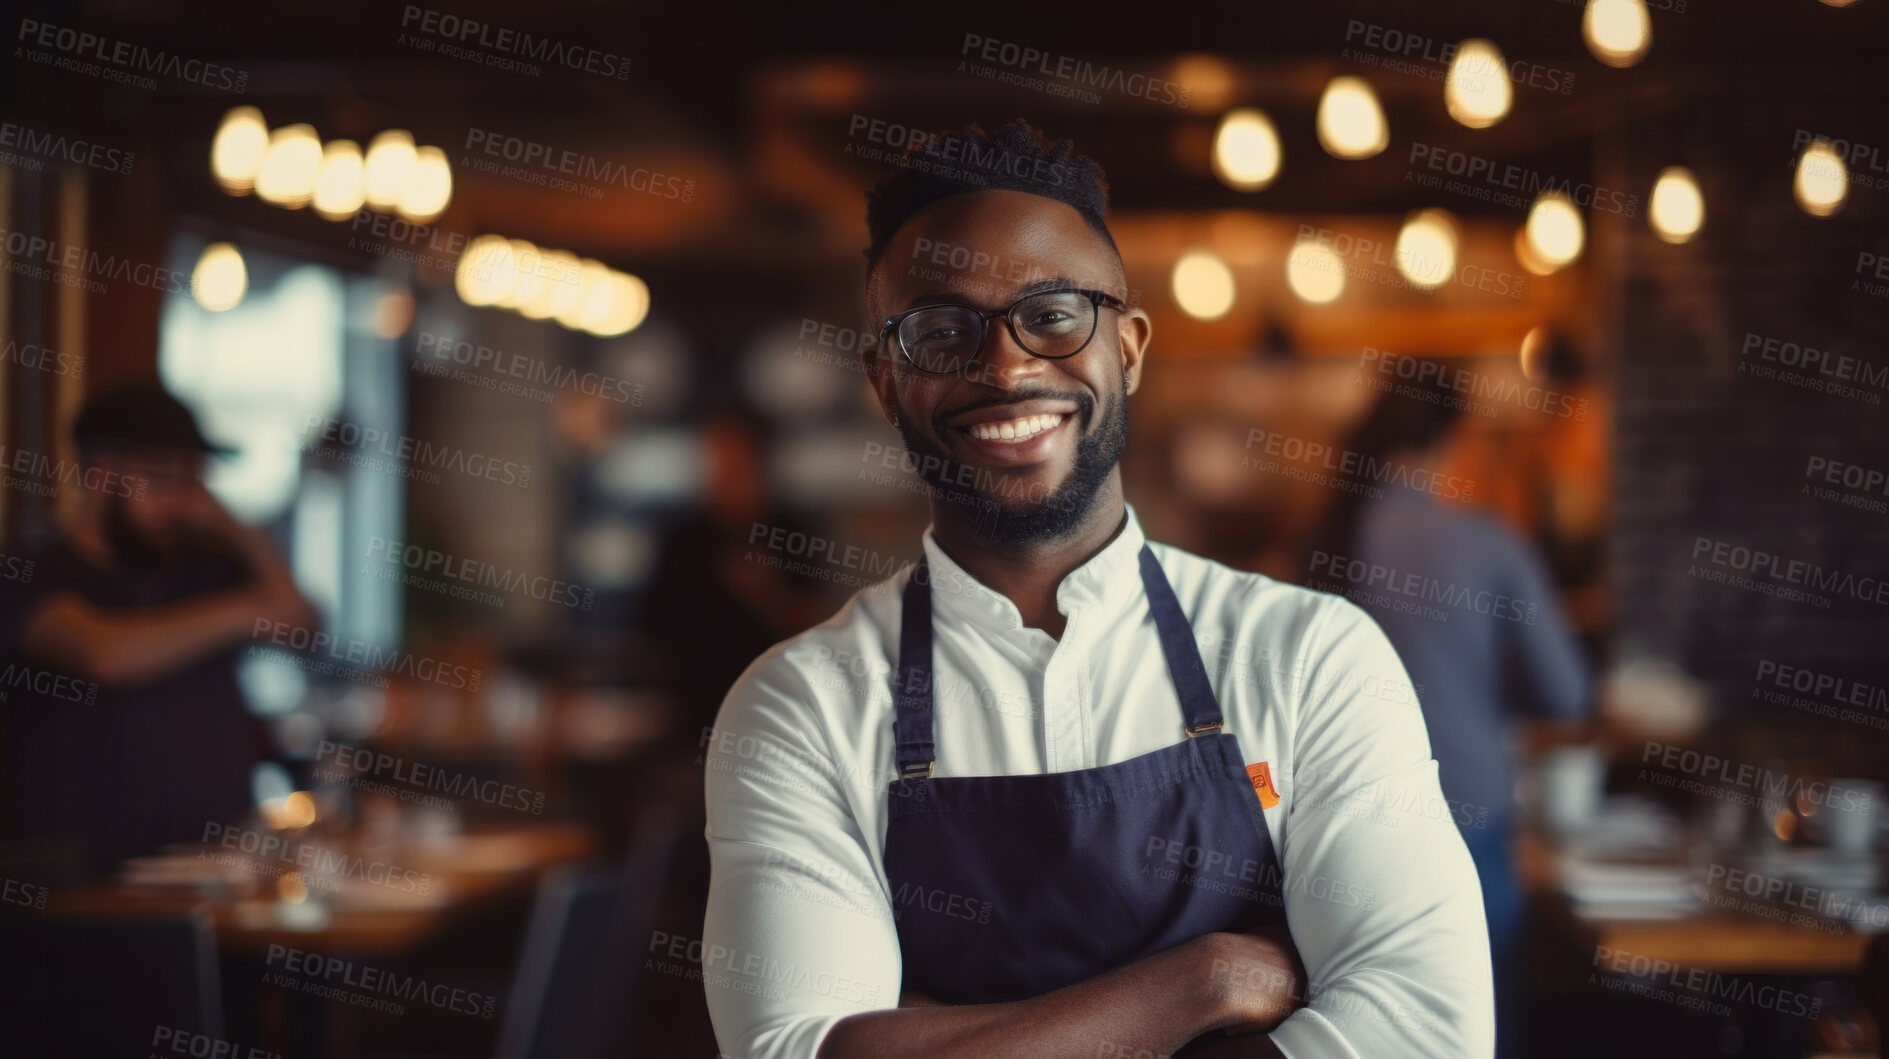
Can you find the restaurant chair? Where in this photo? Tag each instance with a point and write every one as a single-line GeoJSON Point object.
{"type": "Point", "coordinates": [572, 993]}
{"type": "Point", "coordinates": [670, 821]}
{"type": "Point", "coordinates": [1873, 985]}
{"type": "Point", "coordinates": [553, 1004]}
{"type": "Point", "coordinates": [113, 986]}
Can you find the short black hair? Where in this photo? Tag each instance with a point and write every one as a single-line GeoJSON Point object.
{"type": "Point", "coordinates": [1016, 157]}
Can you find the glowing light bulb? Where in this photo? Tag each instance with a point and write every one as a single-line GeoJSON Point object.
{"type": "Point", "coordinates": [220, 279]}
{"type": "Point", "coordinates": [593, 281]}
{"type": "Point", "coordinates": [429, 186]}
{"type": "Point", "coordinates": [1315, 273]}
{"type": "Point", "coordinates": [1246, 150]}
{"type": "Point", "coordinates": [1426, 248]}
{"type": "Point", "coordinates": [289, 166]}
{"type": "Point", "coordinates": [1554, 229]}
{"type": "Point", "coordinates": [389, 165]}
{"type": "Point", "coordinates": [1617, 32]}
{"type": "Point", "coordinates": [562, 279]}
{"type": "Point", "coordinates": [1350, 122]}
{"type": "Point", "coordinates": [1677, 209]}
{"type": "Point", "coordinates": [1477, 91]}
{"type": "Point", "coordinates": [487, 272]}
{"type": "Point", "coordinates": [1203, 285]}
{"type": "Point", "coordinates": [628, 305]}
{"type": "Point", "coordinates": [339, 190]}
{"type": "Point", "coordinates": [1822, 183]}
{"type": "Point", "coordinates": [236, 152]}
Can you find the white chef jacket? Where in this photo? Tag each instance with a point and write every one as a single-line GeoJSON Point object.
{"type": "Point", "coordinates": [1381, 897]}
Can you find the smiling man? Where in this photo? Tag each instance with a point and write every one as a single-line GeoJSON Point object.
{"type": "Point", "coordinates": [1057, 790]}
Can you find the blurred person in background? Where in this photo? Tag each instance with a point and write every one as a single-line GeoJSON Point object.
{"type": "Point", "coordinates": [715, 603]}
{"type": "Point", "coordinates": [1474, 616]}
{"type": "Point", "coordinates": [126, 725]}
{"type": "Point", "coordinates": [721, 595]}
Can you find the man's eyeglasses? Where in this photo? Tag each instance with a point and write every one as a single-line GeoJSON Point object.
{"type": "Point", "coordinates": [1052, 324]}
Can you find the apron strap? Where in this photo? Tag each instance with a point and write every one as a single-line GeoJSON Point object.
{"type": "Point", "coordinates": [911, 690]}
{"type": "Point", "coordinates": [1200, 711]}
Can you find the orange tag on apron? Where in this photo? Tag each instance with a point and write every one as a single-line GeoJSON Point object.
{"type": "Point", "coordinates": [1261, 775]}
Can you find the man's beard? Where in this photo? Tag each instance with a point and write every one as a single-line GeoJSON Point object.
{"type": "Point", "coordinates": [1040, 519]}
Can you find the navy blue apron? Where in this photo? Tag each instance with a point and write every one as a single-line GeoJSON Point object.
{"type": "Point", "coordinates": [1007, 887]}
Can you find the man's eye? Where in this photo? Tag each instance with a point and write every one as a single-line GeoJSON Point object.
{"type": "Point", "coordinates": [1049, 317]}
{"type": "Point", "coordinates": [940, 334]}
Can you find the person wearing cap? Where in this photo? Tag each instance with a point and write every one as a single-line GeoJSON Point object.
{"type": "Point", "coordinates": [126, 726]}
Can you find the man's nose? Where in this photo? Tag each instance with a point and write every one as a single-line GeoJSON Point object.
{"type": "Point", "coordinates": [1003, 362]}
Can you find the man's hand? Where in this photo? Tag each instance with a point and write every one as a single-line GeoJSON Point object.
{"type": "Point", "coordinates": [206, 519]}
{"type": "Point", "coordinates": [276, 596]}
{"type": "Point", "coordinates": [1257, 977]}
{"type": "Point", "coordinates": [1213, 984]}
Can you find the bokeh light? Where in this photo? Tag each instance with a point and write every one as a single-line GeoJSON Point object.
{"type": "Point", "coordinates": [1350, 122]}
{"type": "Point", "coordinates": [289, 166]}
{"type": "Point", "coordinates": [1246, 150]}
{"type": "Point", "coordinates": [1554, 231]}
{"type": "Point", "coordinates": [1203, 285]}
{"type": "Point", "coordinates": [1426, 248]}
{"type": "Point", "coordinates": [1677, 210]}
{"type": "Point", "coordinates": [1617, 32]}
{"type": "Point", "coordinates": [1476, 91]}
{"type": "Point", "coordinates": [220, 279]}
{"type": "Point", "coordinates": [1315, 273]}
{"type": "Point", "coordinates": [236, 152]}
{"type": "Point", "coordinates": [1822, 182]}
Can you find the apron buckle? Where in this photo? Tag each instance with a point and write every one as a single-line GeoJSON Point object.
{"type": "Point", "coordinates": [916, 771]}
{"type": "Point", "coordinates": [1203, 729]}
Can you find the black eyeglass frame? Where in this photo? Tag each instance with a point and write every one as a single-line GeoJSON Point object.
{"type": "Point", "coordinates": [1100, 299]}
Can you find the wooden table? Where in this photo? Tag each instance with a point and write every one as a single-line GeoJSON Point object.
{"type": "Point", "coordinates": [1714, 939]}
{"type": "Point", "coordinates": [254, 924]}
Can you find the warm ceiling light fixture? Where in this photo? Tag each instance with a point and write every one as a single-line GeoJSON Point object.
{"type": "Point", "coordinates": [581, 294]}
{"type": "Point", "coordinates": [428, 188]}
{"type": "Point", "coordinates": [1677, 210]}
{"type": "Point", "coordinates": [1822, 182]}
{"type": "Point", "coordinates": [1476, 91]}
{"type": "Point", "coordinates": [1617, 32]}
{"type": "Point", "coordinates": [1426, 248]}
{"type": "Point", "coordinates": [1203, 285]}
{"type": "Point", "coordinates": [1315, 273]}
{"type": "Point", "coordinates": [389, 165]}
{"type": "Point", "coordinates": [1246, 150]}
{"type": "Point", "coordinates": [339, 186]}
{"type": "Point", "coordinates": [236, 152]}
{"type": "Point", "coordinates": [289, 166]}
{"type": "Point", "coordinates": [1554, 230]}
{"type": "Point", "coordinates": [220, 279]}
{"type": "Point", "coordinates": [1350, 122]}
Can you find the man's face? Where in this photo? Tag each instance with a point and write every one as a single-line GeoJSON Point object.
{"type": "Point", "coordinates": [1067, 417]}
{"type": "Point", "coordinates": [154, 523]}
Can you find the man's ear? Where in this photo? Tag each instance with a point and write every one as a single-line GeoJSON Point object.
{"type": "Point", "coordinates": [876, 362]}
{"type": "Point", "coordinates": [1136, 331]}
{"type": "Point", "coordinates": [875, 353]}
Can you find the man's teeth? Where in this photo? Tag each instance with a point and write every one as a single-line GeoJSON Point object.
{"type": "Point", "coordinates": [1015, 429]}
